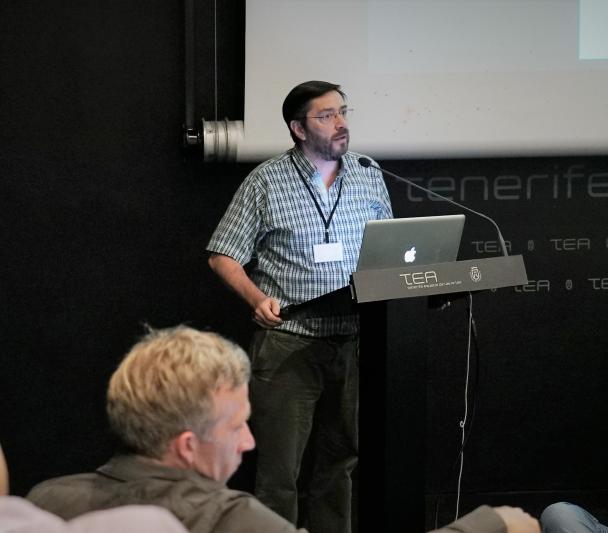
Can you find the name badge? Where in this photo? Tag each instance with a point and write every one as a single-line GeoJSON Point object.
{"type": "Point", "coordinates": [326, 252]}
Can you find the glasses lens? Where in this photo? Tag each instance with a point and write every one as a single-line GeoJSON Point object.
{"type": "Point", "coordinates": [331, 116]}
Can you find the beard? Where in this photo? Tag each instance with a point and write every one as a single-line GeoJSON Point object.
{"type": "Point", "coordinates": [329, 149]}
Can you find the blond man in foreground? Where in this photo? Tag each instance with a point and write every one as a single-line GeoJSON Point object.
{"type": "Point", "coordinates": [179, 404]}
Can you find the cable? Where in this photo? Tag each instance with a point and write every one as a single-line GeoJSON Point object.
{"type": "Point", "coordinates": [463, 422]}
{"type": "Point", "coordinates": [472, 335]}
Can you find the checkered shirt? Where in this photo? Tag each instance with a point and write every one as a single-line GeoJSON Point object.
{"type": "Point", "coordinates": [273, 221]}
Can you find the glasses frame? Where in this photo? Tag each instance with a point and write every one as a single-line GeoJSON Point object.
{"type": "Point", "coordinates": [330, 116]}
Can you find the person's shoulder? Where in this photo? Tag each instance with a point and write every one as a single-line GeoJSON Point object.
{"type": "Point", "coordinates": [62, 482]}
{"type": "Point", "coordinates": [211, 507]}
{"type": "Point", "coordinates": [65, 496]}
{"type": "Point", "coordinates": [268, 169]}
{"type": "Point", "coordinates": [243, 511]}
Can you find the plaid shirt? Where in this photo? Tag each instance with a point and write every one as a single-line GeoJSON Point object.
{"type": "Point", "coordinates": [273, 220]}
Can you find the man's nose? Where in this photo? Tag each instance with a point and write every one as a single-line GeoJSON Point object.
{"type": "Point", "coordinates": [340, 121]}
{"type": "Point", "coordinates": [248, 442]}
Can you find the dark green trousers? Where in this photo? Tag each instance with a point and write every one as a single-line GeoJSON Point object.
{"type": "Point", "coordinates": [305, 392]}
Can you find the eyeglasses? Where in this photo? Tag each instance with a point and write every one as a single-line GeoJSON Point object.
{"type": "Point", "coordinates": [330, 116]}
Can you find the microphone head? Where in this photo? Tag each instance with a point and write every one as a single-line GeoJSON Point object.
{"type": "Point", "coordinates": [365, 162]}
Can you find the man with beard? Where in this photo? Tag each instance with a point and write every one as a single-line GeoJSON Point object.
{"type": "Point", "coordinates": [300, 217]}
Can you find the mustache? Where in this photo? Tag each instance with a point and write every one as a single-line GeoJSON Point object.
{"type": "Point", "coordinates": [341, 133]}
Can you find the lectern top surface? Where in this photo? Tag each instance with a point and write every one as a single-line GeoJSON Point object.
{"type": "Point", "coordinates": [396, 242]}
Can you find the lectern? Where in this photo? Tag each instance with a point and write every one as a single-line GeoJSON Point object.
{"type": "Point", "coordinates": [375, 285]}
{"type": "Point", "coordinates": [392, 304]}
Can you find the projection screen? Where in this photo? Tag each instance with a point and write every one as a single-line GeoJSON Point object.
{"type": "Point", "coordinates": [435, 78]}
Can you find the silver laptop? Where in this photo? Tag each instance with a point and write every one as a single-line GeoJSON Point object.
{"type": "Point", "coordinates": [397, 242]}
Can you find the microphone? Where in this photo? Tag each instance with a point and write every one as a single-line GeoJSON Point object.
{"type": "Point", "coordinates": [366, 163]}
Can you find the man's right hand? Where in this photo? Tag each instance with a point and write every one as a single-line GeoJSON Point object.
{"type": "Point", "coordinates": [265, 309]}
{"type": "Point", "coordinates": [517, 520]}
{"type": "Point", "coordinates": [266, 313]}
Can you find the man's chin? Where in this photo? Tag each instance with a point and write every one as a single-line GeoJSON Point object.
{"type": "Point", "coordinates": [337, 154]}
{"type": "Point", "coordinates": [235, 468]}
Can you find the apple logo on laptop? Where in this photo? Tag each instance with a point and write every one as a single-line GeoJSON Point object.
{"type": "Point", "coordinates": [410, 255]}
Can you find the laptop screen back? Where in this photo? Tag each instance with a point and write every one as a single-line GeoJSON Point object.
{"type": "Point", "coordinates": [397, 242]}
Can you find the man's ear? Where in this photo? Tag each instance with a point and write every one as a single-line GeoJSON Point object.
{"type": "Point", "coordinates": [184, 447]}
{"type": "Point", "coordinates": [298, 129]}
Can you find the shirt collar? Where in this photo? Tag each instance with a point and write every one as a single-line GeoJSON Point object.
{"type": "Point", "coordinates": [133, 467]}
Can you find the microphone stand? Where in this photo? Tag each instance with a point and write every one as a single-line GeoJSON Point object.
{"type": "Point", "coordinates": [366, 163]}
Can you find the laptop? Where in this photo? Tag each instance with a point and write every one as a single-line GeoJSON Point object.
{"type": "Point", "coordinates": [398, 242]}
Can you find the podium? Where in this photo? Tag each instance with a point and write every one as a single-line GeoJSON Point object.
{"type": "Point", "coordinates": [393, 305]}
{"type": "Point", "coordinates": [412, 282]}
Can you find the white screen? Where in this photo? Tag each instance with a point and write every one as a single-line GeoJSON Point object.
{"type": "Point", "coordinates": [433, 78]}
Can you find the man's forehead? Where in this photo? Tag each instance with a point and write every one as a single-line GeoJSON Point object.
{"type": "Point", "coordinates": [229, 401]}
{"type": "Point", "coordinates": [329, 100]}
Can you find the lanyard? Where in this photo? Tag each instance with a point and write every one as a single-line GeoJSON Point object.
{"type": "Point", "coordinates": [327, 222]}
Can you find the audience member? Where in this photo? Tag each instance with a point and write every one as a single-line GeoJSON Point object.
{"type": "Point", "coordinates": [564, 517]}
{"type": "Point", "coordinates": [179, 404]}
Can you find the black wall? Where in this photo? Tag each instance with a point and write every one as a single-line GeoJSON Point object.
{"type": "Point", "coordinates": [105, 219]}
{"type": "Point", "coordinates": [537, 394]}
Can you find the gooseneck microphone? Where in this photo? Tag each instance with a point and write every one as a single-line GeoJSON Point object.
{"type": "Point", "coordinates": [366, 163]}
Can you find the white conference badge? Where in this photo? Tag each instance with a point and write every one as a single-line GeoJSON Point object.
{"type": "Point", "coordinates": [329, 251]}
